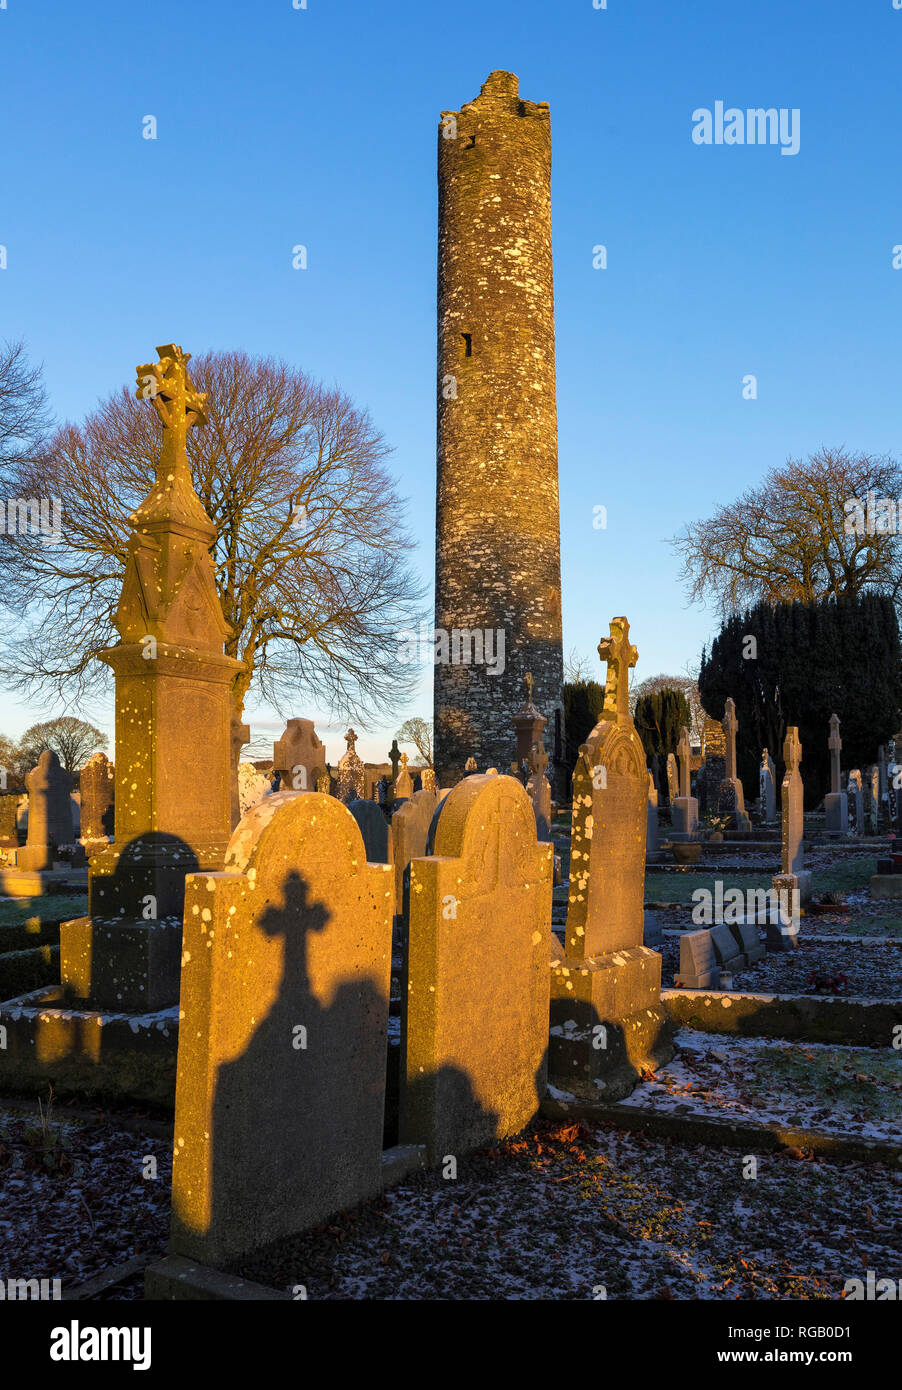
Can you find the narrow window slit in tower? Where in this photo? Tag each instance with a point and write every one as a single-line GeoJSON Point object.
{"type": "Point", "coordinates": [471, 143]}
{"type": "Point", "coordinates": [468, 344]}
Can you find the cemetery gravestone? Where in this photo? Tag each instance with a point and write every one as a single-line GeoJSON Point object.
{"type": "Point", "coordinates": [652, 843]}
{"type": "Point", "coordinates": [794, 878]}
{"type": "Point", "coordinates": [685, 808]}
{"type": "Point", "coordinates": [768, 791]}
{"type": "Point", "coordinates": [699, 968]}
{"type": "Point", "coordinates": [96, 782]}
{"type": "Point", "coordinates": [607, 1019]}
{"type": "Point", "coordinates": [855, 796]}
{"type": "Point", "coordinates": [475, 1012]}
{"type": "Point", "coordinates": [374, 830]}
{"type": "Point", "coordinates": [673, 779]}
{"type": "Point", "coordinates": [299, 756]}
{"type": "Point", "coordinates": [836, 802]}
{"type": "Point", "coordinates": [403, 781]}
{"type": "Point", "coordinates": [49, 813]}
{"type": "Point", "coordinates": [351, 772]}
{"type": "Point", "coordinates": [282, 1049]}
{"type": "Point", "coordinates": [731, 798]}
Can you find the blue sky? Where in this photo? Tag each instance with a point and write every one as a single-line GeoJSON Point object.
{"type": "Point", "coordinates": [279, 126]}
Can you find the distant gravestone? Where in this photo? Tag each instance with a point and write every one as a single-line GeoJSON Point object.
{"type": "Point", "coordinates": [767, 789]}
{"type": "Point", "coordinates": [9, 819]}
{"type": "Point", "coordinates": [652, 842]}
{"type": "Point", "coordinates": [374, 829]}
{"type": "Point", "coordinates": [872, 800]}
{"type": "Point", "coordinates": [793, 876]}
{"type": "Point", "coordinates": [699, 968]}
{"type": "Point", "coordinates": [49, 813]}
{"type": "Point", "coordinates": [283, 1040]}
{"type": "Point", "coordinates": [403, 781]}
{"type": "Point", "coordinates": [855, 794]}
{"type": "Point", "coordinates": [608, 1023]}
{"type": "Point", "coordinates": [731, 798]}
{"type": "Point", "coordinates": [351, 772]}
{"type": "Point", "coordinates": [684, 814]}
{"type": "Point", "coordinates": [836, 803]}
{"type": "Point", "coordinates": [726, 948]}
{"type": "Point", "coordinates": [96, 784]}
{"type": "Point", "coordinates": [299, 756]}
{"type": "Point", "coordinates": [428, 780]}
{"type": "Point", "coordinates": [538, 789]}
{"type": "Point", "coordinates": [673, 779]}
{"type": "Point", "coordinates": [475, 1012]}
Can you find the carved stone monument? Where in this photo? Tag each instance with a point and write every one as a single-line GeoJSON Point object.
{"type": "Point", "coordinates": [836, 802]}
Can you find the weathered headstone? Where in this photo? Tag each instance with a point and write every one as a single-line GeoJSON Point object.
{"type": "Point", "coordinates": [731, 797]}
{"type": "Point", "coordinates": [673, 779]}
{"type": "Point", "coordinates": [96, 783]}
{"type": "Point", "coordinates": [749, 942]}
{"type": "Point", "coordinates": [607, 1019]}
{"type": "Point", "coordinates": [726, 948]}
{"type": "Point", "coordinates": [299, 756]}
{"type": "Point", "coordinates": [9, 820]}
{"type": "Point", "coordinates": [351, 773]}
{"type": "Point", "coordinates": [374, 830]}
{"type": "Point", "coordinates": [470, 767]}
{"type": "Point", "coordinates": [252, 786]}
{"type": "Point", "coordinates": [793, 878]}
{"type": "Point", "coordinates": [684, 812]}
{"type": "Point", "coordinates": [872, 800]}
{"type": "Point", "coordinates": [428, 780]}
{"type": "Point", "coordinates": [767, 788]}
{"type": "Point", "coordinates": [699, 968]}
{"type": "Point", "coordinates": [410, 834]}
{"type": "Point", "coordinates": [652, 842]}
{"type": "Point", "coordinates": [475, 1012]}
{"type": "Point", "coordinates": [855, 795]}
{"type": "Point", "coordinates": [403, 781]}
{"type": "Point", "coordinates": [173, 716]}
{"type": "Point", "coordinates": [282, 1048]}
{"type": "Point", "coordinates": [49, 813]}
{"type": "Point", "coordinates": [538, 788]}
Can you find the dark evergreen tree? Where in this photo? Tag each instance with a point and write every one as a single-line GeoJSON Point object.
{"type": "Point", "coordinates": [583, 703]}
{"type": "Point", "coordinates": [796, 663]}
{"type": "Point", "coordinates": [658, 718]}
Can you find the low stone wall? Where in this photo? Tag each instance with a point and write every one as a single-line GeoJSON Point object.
{"type": "Point", "coordinates": [862, 1022]}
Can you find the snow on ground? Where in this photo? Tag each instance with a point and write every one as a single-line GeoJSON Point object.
{"type": "Point", "coordinates": [840, 1090]}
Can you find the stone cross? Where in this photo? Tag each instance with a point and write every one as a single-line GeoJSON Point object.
{"type": "Point", "coordinates": [620, 655]}
{"type": "Point", "coordinates": [684, 753]}
{"type": "Point", "coordinates": [351, 741]}
{"type": "Point", "coordinates": [730, 725]}
{"type": "Point", "coordinates": [792, 748]}
{"type": "Point", "coordinates": [529, 683]}
{"type": "Point", "coordinates": [835, 745]}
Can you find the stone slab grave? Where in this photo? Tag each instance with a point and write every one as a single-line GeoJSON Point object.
{"type": "Point", "coordinates": [474, 1022]}
{"type": "Point", "coordinates": [836, 803]}
{"type": "Point", "coordinates": [50, 823]}
{"type": "Point", "coordinates": [726, 948]}
{"type": "Point", "coordinates": [684, 811]}
{"type": "Point", "coordinates": [608, 1024]}
{"type": "Point", "coordinates": [299, 757]}
{"type": "Point", "coordinates": [409, 834]}
{"type": "Point", "coordinates": [699, 966]}
{"type": "Point", "coordinates": [749, 942]}
{"type": "Point", "coordinates": [282, 1057]}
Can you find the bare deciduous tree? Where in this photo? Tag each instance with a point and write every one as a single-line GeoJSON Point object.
{"type": "Point", "coordinates": [788, 538]}
{"type": "Point", "coordinates": [72, 740]}
{"type": "Point", "coordinates": [24, 416]}
{"type": "Point", "coordinates": [418, 731]}
{"type": "Point", "coordinates": [309, 555]}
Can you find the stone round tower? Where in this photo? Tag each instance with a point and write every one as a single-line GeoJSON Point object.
{"type": "Point", "coordinates": [498, 565]}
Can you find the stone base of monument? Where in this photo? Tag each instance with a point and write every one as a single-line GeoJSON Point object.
{"type": "Point", "coordinates": [44, 859]}
{"type": "Point", "coordinates": [782, 927]}
{"type": "Point", "coordinates": [836, 806]}
{"type": "Point", "coordinates": [886, 886]}
{"type": "Point", "coordinates": [114, 963]}
{"type": "Point", "coordinates": [607, 1022]}
{"type": "Point", "coordinates": [112, 1056]}
{"type": "Point", "coordinates": [684, 818]}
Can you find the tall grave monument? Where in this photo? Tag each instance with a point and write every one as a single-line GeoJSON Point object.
{"type": "Point", "coordinates": [606, 1014]}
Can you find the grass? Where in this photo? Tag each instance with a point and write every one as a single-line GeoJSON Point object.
{"type": "Point", "coordinates": [33, 913]}
{"type": "Point", "coordinates": [844, 877]}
